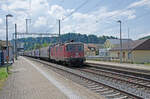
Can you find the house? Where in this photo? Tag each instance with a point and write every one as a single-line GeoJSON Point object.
{"type": "Point", "coordinates": [4, 53]}
{"type": "Point", "coordinates": [104, 52]}
{"type": "Point", "coordinates": [92, 49]}
{"type": "Point", "coordinates": [89, 49]}
{"type": "Point", "coordinates": [111, 43]}
{"type": "Point", "coordinates": [3, 44]}
{"type": "Point", "coordinates": [135, 51]}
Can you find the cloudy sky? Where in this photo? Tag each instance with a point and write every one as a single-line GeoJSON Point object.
{"type": "Point", "coordinates": [97, 17]}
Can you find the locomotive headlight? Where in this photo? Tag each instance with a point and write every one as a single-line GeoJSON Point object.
{"type": "Point", "coordinates": [77, 54]}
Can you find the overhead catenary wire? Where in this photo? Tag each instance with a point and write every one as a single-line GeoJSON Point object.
{"type": "Point", "coordinates": [80, 6]}
{"type": "Point", "coordinates": [76, 9]}
{"type": "Point", "coordinates": [51, 27]}
{"type": "Point", "coordinates": [114, 25]}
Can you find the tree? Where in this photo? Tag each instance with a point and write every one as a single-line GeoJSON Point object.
{"type": "Point", "coordinates": [38, 42]}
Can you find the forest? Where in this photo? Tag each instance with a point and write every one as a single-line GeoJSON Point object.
{"type": "Point", "coordinates": [37, 42]}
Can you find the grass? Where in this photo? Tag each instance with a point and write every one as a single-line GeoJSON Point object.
{"type": "Point", "coordinates": [147, 64]}
{"type": "Point", "coordinates": [3, 75]}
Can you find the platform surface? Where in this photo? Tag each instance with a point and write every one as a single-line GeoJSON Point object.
{"type": "Point", "coordinates": [31, 80]}
{"type": "Point", "coordinates": [126, 65]}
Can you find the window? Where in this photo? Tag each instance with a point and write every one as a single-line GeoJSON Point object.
{"type": "Point", "coordinates": [70, 47]}
{"type": "Point", "coordinates": [118, 54]}
{"type": "Point", "coordinates": [56, 49]}
{"type": "Point", "coordinates": [129, 55]}
{"type": "Point", "coordinates": [80, 48]}
{"type": "Point", "coordinates": [124, 55]}
{"type": "Point", "coordinates": [74, 47]}
{"type": "Point", "coordinates": [61, 48]}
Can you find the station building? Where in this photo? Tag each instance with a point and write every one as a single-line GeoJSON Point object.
{"type": "Point", "coordinates": [137, 51]}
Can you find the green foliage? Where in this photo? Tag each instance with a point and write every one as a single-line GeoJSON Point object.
{"type": "Point", "coordinates": [34, 43]}
{"type": "Point", "coordinates": [37, 46]}
{"type": "Point", "coordinates": [146, 37]}
{"type": "Point", "coordinates": [45, 44]}
{"type": "Point", "coordinates": [3, 73]}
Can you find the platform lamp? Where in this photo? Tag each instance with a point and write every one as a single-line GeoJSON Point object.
{"type": "Point", "coordinates": [7, 51]}
{"type": "Point", "coordinates": [119, 21]}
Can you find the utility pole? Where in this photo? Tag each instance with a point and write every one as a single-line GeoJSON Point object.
{"type": "Point", "coordinates": [128, 39]}
{"type": "Point", "coordinates": [16, 54]}
{"type": "Point", "coordinates": [7, 46]}
{"type": "Point", "coordinates": [120, 42]}
{"type": "Point", "coordinates": [59, 29]}
{"type": "Point", "coordinates": [27, 25]}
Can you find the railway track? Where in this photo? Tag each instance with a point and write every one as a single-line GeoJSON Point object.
{"type": "Point", "coordinates": [137, 86]}
{"type": "Point", "coordinates": [133, 79]}
{"type": "Point", "coordinates": [123, 70]}
{"type": "Point", "coordinates": [94, 82]}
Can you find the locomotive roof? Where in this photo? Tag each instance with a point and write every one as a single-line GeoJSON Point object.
{"type": "Point", "coordinates": [73, 43]}
{"type": "Point", "coordinates": [66, 43]}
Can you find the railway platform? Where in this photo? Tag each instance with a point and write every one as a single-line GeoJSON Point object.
{"type": "Point", "coordinates": [31, 80]}
{"type": "Point", "coordinates": [124, 65]}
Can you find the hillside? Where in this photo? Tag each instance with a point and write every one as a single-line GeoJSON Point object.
{"type": "Point", "coordinates": [146, 37]}
{"type": "Point", "coordinates": [33, 43]}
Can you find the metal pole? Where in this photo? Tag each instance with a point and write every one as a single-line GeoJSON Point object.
{"type": "Point", "coordinates": [59, 29]}
{"type": "Point", "coordinates": [26, 25]}
{"type": "Point", "coordinates": [128, 39]}
{"type": "Point", "coordinates": [7, 52]}
{"type": "Point", "coordinates": [7, 48]}
{"type": "Point", "coordinates": [27, 28]}
{"type": "Point", "coordinates": [16, 42]}
{"type": "Point", "coordinates": [13, 45]}
{"type": "Point", "coordinates": [120, 43]}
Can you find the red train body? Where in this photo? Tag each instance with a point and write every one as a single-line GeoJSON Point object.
{"type": "Point", "coordinates": [71, 53]}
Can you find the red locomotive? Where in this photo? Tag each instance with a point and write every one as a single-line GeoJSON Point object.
{"type": "Point", "coordinates": [71, 53]}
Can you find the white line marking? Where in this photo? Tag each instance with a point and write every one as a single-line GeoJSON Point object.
{"type": "Point", "coordinates": [62, 88]}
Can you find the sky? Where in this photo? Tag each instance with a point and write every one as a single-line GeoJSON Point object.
{"type": "Point", "coordinates": [98, 17]}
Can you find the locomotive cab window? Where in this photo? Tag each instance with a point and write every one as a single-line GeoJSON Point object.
{"type": "Point", "coordinates": [70, 47]}
{"type": "Point", "coordinates": [80, 48]}
{"type": "Point", "coordinates": [74, 47]}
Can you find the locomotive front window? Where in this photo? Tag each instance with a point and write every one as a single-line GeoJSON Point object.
{"type": "Point", "coordinates": [70, 47]}
{"type": "Point", "coordinates": [74, 47]}
{"type": "Point", "coordinates": [80, 48]}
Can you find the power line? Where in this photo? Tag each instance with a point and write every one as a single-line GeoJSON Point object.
{"type": "Point", "coordinates": [50, 27]}
{"type": "Point", "coordinates": [80, 6]}
{"type": "Point", "coordinates": [143, 15]}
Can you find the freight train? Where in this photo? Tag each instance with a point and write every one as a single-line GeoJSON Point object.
{"type": "Point", "coordinates": [71, 53]}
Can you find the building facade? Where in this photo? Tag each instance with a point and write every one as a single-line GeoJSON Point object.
{"type": "Point", "coordinates": [136, 51]}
